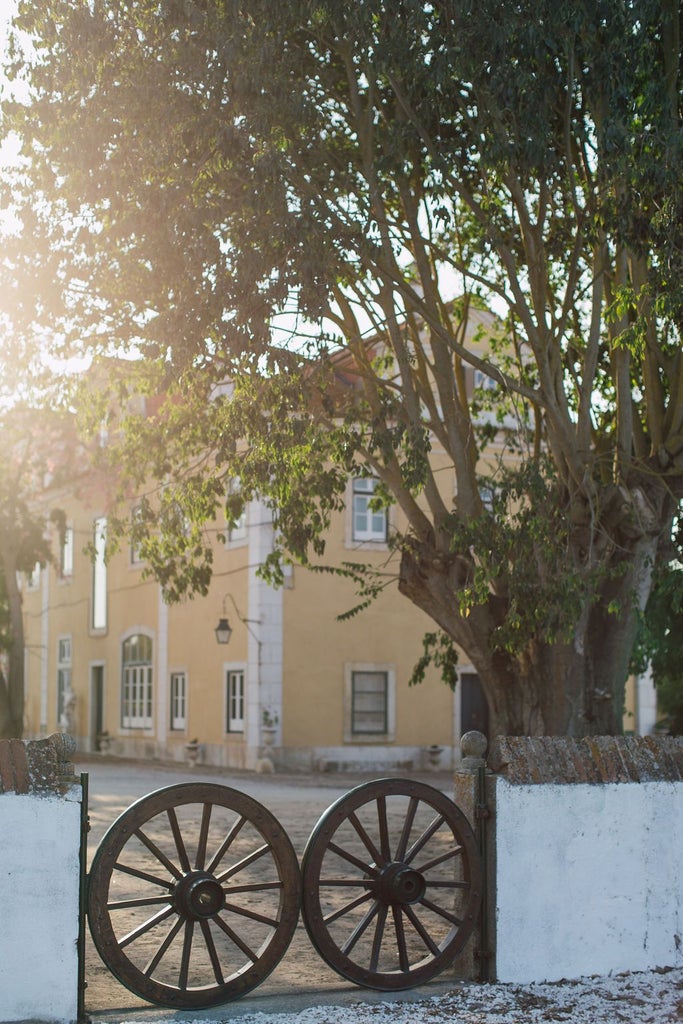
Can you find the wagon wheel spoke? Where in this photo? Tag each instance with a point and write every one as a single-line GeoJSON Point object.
{"type": "Point", "coordinates": [251, 914]}
{"type": "Point", "coordinates": [382, 910]}
{"type": "Point", "coordinates": [239, 942]}
{"type": "Point", "coordinates": [397, 931]}
{"type": "Point", "coordinates": [347, 908]}
{"type": "Point", "coordinates": [147, 926]}
{"type": "Point", "coordinates": [383, 827]}
{"type": "Point", "coordinates": [356, 861]}
{"type": "Point", "coordinates": [143, 901]}
{"type": "Point", "coordinates": [160, 953]}
{"type": "Point", "coordinates": [360, 929]}
{"type": "Point", "coordinates": [407, 828]}
{"type": "Point", "coordinates": [178, 839]}
{"type": "Point", "coordinates": [185, 959]}
{"type": "Point", "coordinates": [213, 954]}
{"type": "Point", "coordinates": [167, 841]}
{"type": "Point", "coordinates": [446, 884]}
{"type": "Point", "coordinates": [403, 960]}
{"type": "Point", "coordinates": [367, 841]}
{"type": "Point", "coordinates": [144, 876]}
{"type": "Point", "coordinates": [159, 854]}
{"type": "Point", "coordinates": [226, 844]}
{"type": "Point", "coordinates": [253, 887]}
{"type": "Point", "coordinates": [424, 838]}
{"type": "Point", "coordinates": [203, 837]}
{"type": "Point", "coordinates": [446, 914]}
{"type": "Point", "coordinates": [244, 863]}
{"type": "Point", "coordinates": [441, 859]}
{"type": "Point", "coordinates": [421, 931]}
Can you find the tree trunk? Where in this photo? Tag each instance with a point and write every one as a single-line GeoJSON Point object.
{"type": "Point", "coordinates": [573, 688]}
{"type": "Point", "coordinates": [12, 688]}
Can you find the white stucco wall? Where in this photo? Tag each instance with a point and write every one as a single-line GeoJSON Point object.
{"type": "Point", "coordinates": [39, 883]}
{"type": "Point", "coordinates": [588, 879]}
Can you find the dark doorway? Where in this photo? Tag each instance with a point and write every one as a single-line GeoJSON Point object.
{"type": "Point", "coordinates": [474, 709]}
{"type": "Point", "coordinates": [96, 705]}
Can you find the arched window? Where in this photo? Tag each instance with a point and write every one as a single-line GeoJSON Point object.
{"type": "Point", "coordinates": [136, 682]}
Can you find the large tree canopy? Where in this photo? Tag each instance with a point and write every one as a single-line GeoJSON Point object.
{"type": "Point", "coordinates": [248, 191]}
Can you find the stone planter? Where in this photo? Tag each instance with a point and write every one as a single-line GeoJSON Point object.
{"type": "Point", "coordinates": [266, 762]}
{"type": "Point", "coordinates": [104, 742]}
{"type": "Point", "coordinates": [434, 753]}
{"type": "Point", "coordinates": [192, 751]}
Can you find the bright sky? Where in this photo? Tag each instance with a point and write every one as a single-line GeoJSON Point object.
{"type": "Point", "coordinates": [7, 9]}
{"type": "Point", "coordinates": [8, 153]}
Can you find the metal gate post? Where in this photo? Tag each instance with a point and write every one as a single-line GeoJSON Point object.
{"type": "Point", "coordinates": [82, 897]}
{"type": "Point", "coordinates": [470, 785]}
{"type": "Point", "coordinates": [483, 814]}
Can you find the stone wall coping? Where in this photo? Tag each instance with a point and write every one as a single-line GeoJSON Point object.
{"type": "Point", "coordinates": [534, 760]}
{"type": "Point", "coordinates": [37, 766]}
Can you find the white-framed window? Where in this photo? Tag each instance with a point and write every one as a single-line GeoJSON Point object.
{"type": "Point", "coordinates": [33, 577]}
{"type": "Point", "coordinates": [66, 554]}
{"type": "Point", "coordinates": [63, 674]}
{"type": "Point", "coordinates": [136, 682]}
{"type": "Point", "coordinates": [369, 703]}
{"type": "Point", "coordinates": [368, 524]}
{"type": "Point", "coordinates": [99, 575]}
{"type": "Point", "coordinates": [487, 493]}
{"type": "Point", "coordinates": [236, 532]}
{"type": "Point", "coordinates": [178, 701]}
{"type": "Point", "coordinates": [234, 699]}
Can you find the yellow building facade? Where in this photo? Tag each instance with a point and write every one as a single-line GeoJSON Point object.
{"type": "Point", "coordinates": [294, 687]}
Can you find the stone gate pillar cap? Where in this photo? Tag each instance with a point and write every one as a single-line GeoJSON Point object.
{"type": "Point", "coordinates": [474, 744]}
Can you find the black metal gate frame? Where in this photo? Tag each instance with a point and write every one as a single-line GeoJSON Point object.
{"type": "Point", "coordinates": [389, 888]}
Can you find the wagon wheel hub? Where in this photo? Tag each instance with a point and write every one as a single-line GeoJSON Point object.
{"type": "Point", "coordinates": [397, 883]}
{"type": "Point", "coordinates": [198, 896]}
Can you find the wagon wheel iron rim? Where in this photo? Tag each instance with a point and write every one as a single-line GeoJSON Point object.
{"type": "Point", "coordinates": [193, 895]}
{"type": "Point", "coordinates": [391, 884]}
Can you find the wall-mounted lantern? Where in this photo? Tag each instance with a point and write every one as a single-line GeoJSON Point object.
{"type": "Point", "coordinates": [223, 631]}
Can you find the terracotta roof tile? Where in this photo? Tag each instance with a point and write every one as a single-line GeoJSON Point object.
{"type": "Point", "coordinates": [525, 760]}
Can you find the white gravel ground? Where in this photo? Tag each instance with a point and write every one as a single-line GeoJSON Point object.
{"type": "Point", "coordinates": [654, 997]}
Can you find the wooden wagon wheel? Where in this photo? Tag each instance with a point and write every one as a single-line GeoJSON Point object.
{"type": "Point", "coordinates": [193, 895]}
{"type": "Point", "coordinates": [391, 884]}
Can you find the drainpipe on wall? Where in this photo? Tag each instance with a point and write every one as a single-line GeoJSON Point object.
{"type": "Point", "coordinates": [162, 674]}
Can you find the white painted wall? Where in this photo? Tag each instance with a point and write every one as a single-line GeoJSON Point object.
{"type": "Point", "coordinates": [39, 882]}
{"type": "Point", "coordinates": [588, 879]}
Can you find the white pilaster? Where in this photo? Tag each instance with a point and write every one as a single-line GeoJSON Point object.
{"type": "Point", "coordinates": [44, 644]}
{"type": "Point", "coordinates": [265, 649]}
